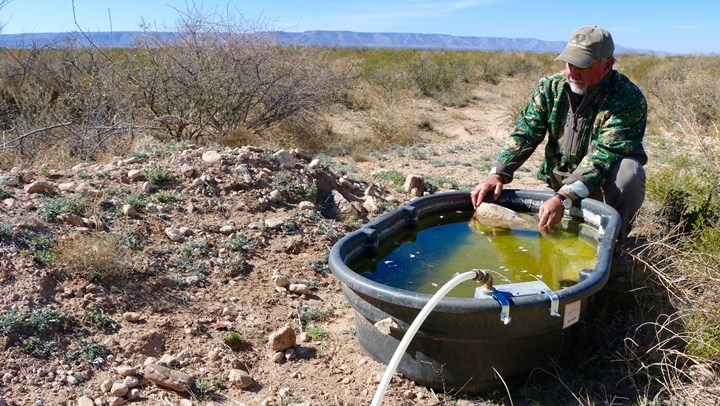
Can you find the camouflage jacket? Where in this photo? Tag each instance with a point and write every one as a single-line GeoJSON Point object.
{"type": "Point", "coordinates": [608, 124]}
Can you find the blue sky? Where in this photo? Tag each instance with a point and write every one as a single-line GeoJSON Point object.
{"type": "Point", "coordinates": [661, 25]}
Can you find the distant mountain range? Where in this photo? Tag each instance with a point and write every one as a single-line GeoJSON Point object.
{"type": "Point", "coordinates": [336, 39]}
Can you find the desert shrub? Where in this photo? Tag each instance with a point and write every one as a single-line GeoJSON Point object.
{"type": "Point", "coordinates": [688, 194]}
{"type": "Point", "coordinates": [72, 204]}
{"type": "Point", "coordinates": [63, 105]}
{"type": "Point", "coordinates": [159, 176]}
{"type": "Point", "coordinates": [684, 94]}
{"type": "Point", "coordinates": [216, 75]}
{"type": "Point", "coordinates": [99, 258]}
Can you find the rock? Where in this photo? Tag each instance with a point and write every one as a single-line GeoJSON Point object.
{"type": "Point", "coordinates": [274, 223]}
{"type": "Point", "coordinates": [127, 370]}
{"type": "Point", "coordinates": [135, 174]}
{"type": "Point", "coordinates": [67, 187]}
{"type": "Point", "coordinates": [275, 196]}
{"type": "Point", "coordinates": [131, 317]}
{"type": "Point", "coordinates": [299, 289]}
{"type": "Point", "coordinates": [168, 360]}
{"type": "Point", "coordinates": [185, 402]}
{"type": "Point", "coordinates": [43, 187]}
{"type": "Point", "coordinates": [281, 280]}
{"type": "Point", "coordinates": [187, 170]}
{"type": "Point", "coordinates": [8, 180]}
{"type": "Point", "coordinates": [278, 357]}
{"type": "Point", "coordinates": [116, 401]}
{"type": "Point", "coordinates": [228, 229]}
{"type": "Point", "coordinates": [72, 219]}
{"type": "Point", "coordinates": [289, 354]}
{"type": "Point", "coordinates": [173, 234]}
{"type": "Point", "coordinates": [168, 378]}
{"type": "Point", "coordinates": [211, 157]}
{"type": "Point", "coordinates": [307, 206]}
{"type": "Point", "coordinates": [133, 394]}
{"type": "Point", "coordinates": [119, 389]}
{"type": "Point", "coordinates": [304, 337]}
{"type": "Point", "coordinates": [87, 191]}
{"type": "Point", "coordinates": [147, 187]}
{"type": "Point", "coordinates": [301, 154]}
{"type": "Point", "coordinates": [239, 378]}
{"type": "Point", "coordinates": [284, 158]}
{"type": "Point", "coordinates": [83, 401]}
{"type": "Point", "coordinates": [10, 203]}
{"type": "Point", "coordinates": [494, 215]}
{"type": "Point", "coordinates": [214, 354]}
{"type": "Point", "coordinates": [282, 339]}
{"type": "Point", "coordinates": [370, 204]}
{"type": "Point", "coordinates": [106, 385]}
{"type": "Point", "coordinates": [129, 211]}
{"type": "Point", "coordinates": [131, 381]}
{"type": "Point", "coordinates": [315, 164]}
{"type": "Point", "coordinates": [414, 182]}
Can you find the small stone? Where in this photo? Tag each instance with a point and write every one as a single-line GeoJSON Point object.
{"type": "Point", "coordinates": [228, 229]}
{"type": "Point", "coordinates": [299, 289]}
{"type": "Point", "coordinates": [116, 401]}
{"type": "Point", "coordinates": [106, 385]}
{"type": "Point", "coordinates": [168, 360]}
{"type": "Point", "coordinates": [306, 206]}
{"type": "Point", "coordinates": [131, 381]}
{"type": "Point", "coordinates": [282, 339]}
{"type": "Point", "coordinates": [289, 354]}
{"type": "Point", "coordinates": [211, 157]}
{"type": "Point", "coordinates": [133, 394]}
{"type": "Point", "coordinates": [129, 211]}
{"type": "Point", "coordinates": [119, 389]}
{"type": "Point", "coordinates": [135, 174]}
{"type": "Point", "coordinates": [214, 354]}
{"type": "Point", "coordinates": [84, 401]}
{"type": "Point", "coordinates": [131, 317]}
{"type": "Point", "coordinates": [239, 378]}
{"type": "Point", "coordinates": [314, 164]}
{"type": "Point", "coordinates": [147, 187]}
{"type": "Point", "coordinates": [277, 357]}
{"type": "Point", "coordinates": [42, 187]}
{"type": "Point", "coordinates": [173, 234]}
{"type": "Point", "coordinates": [281, 280]}
{"type": "Point", "coordinates": [168, 378]}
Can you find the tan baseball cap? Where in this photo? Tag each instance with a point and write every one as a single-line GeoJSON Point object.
{"type": "Point", "coordinates": [587, 45]}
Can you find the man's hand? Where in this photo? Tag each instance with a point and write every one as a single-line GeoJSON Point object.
{"type": "Point", "coordinates": [551, 212]}
{"type": "Point", "coordinates": [492, 183]}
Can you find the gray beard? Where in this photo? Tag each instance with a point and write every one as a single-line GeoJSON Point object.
{"type": "Point", "coordinates": [578, 90]}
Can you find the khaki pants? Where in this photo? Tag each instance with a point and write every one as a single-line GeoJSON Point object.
{"type": "Point", "coordinates": [625, 192]}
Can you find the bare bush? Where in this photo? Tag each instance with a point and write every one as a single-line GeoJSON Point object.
{"type": "Point", "coordinates": [213, 76]}
{"type": "Point", "coordinates": [65, 104]}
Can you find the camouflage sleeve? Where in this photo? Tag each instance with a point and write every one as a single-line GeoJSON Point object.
{"type": "Point", "coordinates": [620, 131]}
{"type": "Point", "coordinates": [529, 132]}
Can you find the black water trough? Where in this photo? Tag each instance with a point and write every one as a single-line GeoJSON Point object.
{"type": "Point", "coordinates": [464, 345]}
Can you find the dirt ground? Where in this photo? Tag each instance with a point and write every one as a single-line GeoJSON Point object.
{"type": "Point", "coordinates": [189, 295]}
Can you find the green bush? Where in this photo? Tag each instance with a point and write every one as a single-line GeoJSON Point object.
{"type": "Point", "coordinates": [688, 193]}
{"type": "Point", "coordinates": [159, 176]}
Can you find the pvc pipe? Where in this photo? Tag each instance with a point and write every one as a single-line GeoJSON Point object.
{"type": "Point", "coordinates": [410, 333]}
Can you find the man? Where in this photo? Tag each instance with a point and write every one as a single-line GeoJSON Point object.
{"type": "Point", "coordinates": [595, 121]}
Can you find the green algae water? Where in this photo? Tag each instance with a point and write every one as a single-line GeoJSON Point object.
{"type": "Point", "coordinates": [423, 258]}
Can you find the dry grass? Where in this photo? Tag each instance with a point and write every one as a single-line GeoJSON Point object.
{"type": "Point", "coordinates": [101, 258]}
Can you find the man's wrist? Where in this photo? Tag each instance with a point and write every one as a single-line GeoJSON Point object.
{"type": "Point", "coordinates": [494, 171]}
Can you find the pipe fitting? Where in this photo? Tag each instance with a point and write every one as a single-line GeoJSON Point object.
{"type": "Point", "coordinates": [483, 276]}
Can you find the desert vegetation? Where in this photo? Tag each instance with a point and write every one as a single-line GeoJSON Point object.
{"type": "Point", "coordinates": [220, 83]}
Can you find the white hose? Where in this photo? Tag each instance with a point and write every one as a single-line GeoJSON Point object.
{"type": "Point", "coordinates": [377, 399]}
